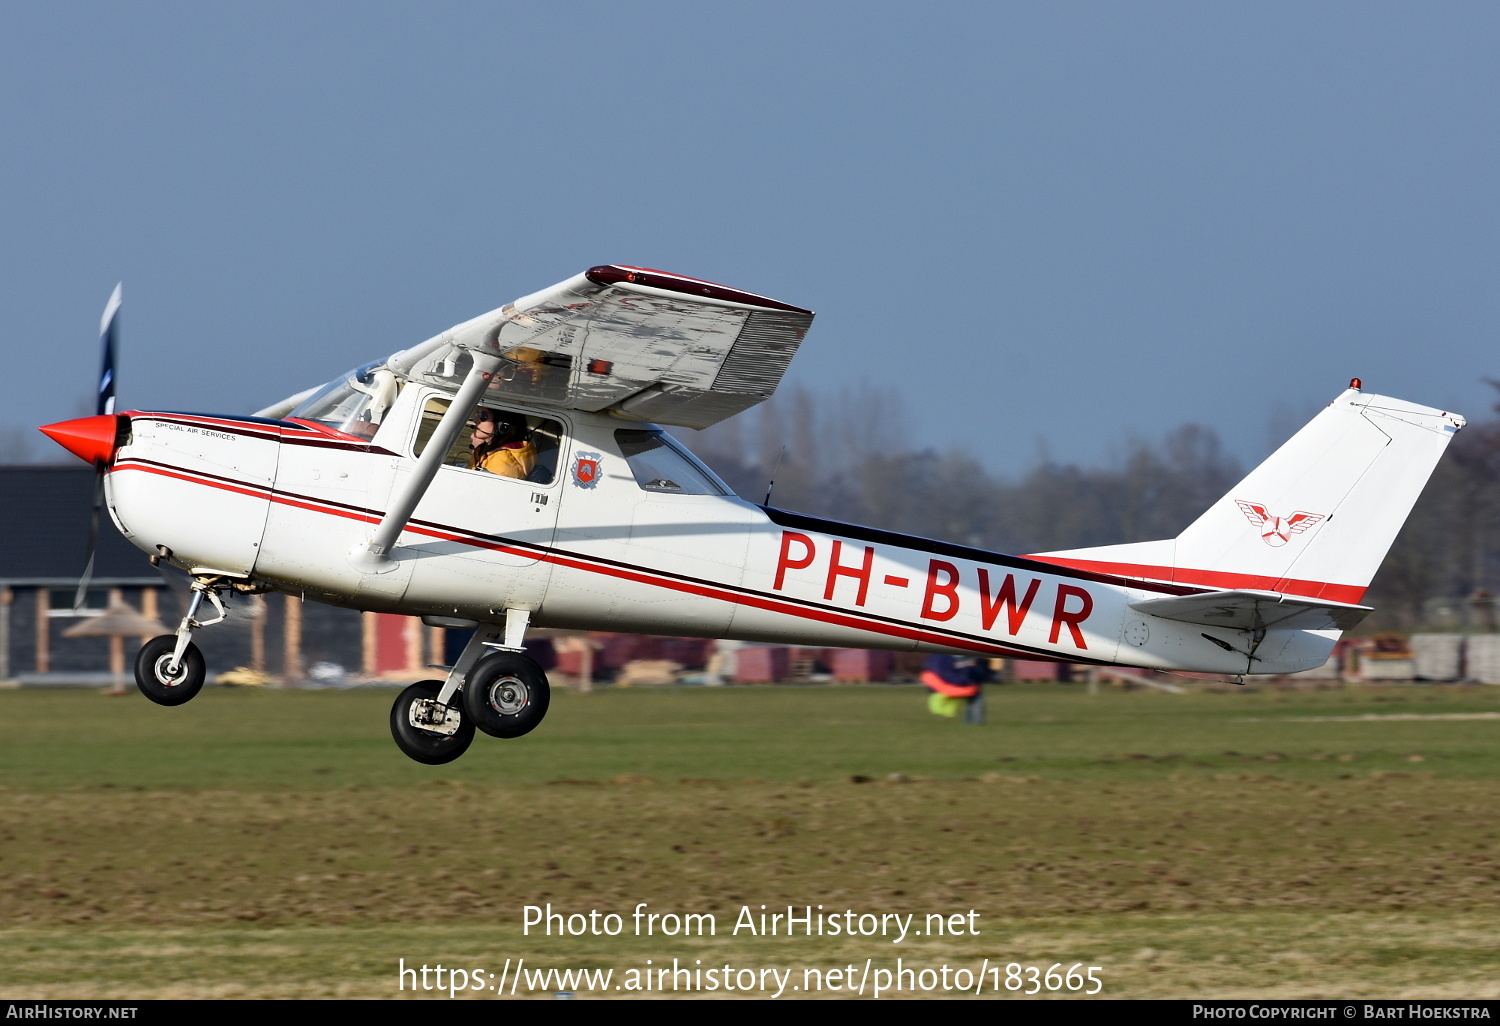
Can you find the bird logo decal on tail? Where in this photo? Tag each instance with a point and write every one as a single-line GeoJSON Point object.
{"type": "Point", "coordinates": [1277, 531]}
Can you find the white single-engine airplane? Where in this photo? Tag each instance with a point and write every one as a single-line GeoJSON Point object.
{"type": "Point", "coordinates": [363, 493]}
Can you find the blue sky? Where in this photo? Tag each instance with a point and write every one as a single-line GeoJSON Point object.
{"type": "Point", "coordinates": [1070, 222]}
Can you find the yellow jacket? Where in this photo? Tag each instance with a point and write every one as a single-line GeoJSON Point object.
{"type": "Point", "coordinates": [514, 460]}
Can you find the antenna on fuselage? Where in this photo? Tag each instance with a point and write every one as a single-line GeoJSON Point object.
{"type": "Point", "coordinates": [772, 482]}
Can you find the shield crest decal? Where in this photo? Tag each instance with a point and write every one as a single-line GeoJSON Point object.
{"type": "Point", "coordinates": [587, 467]}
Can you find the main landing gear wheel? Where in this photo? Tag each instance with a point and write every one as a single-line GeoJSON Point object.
{"type": "Point", "coordinates": [425, 729]}
{"type": "Point", "coordinates": [162, 682]}
{"type": "Point", "coordinates": [506, 694]}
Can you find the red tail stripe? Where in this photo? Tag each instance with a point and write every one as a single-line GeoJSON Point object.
{"type": "Point", "coordinates": [1350, 593]}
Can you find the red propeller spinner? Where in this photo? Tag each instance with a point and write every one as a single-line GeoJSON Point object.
{"type": "Point", "coordinates": [91, 439]}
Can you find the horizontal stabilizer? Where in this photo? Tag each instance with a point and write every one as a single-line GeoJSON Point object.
{"type": "Point", "coordinates": [1252, 610]}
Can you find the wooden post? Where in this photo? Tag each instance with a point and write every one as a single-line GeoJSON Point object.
{"type": "Point", "coordinates": [117, 664]}
{"type": "Point", "coordinates": [149, 608]}
{"type": "Point", "coordinates": [437, 646]}
{"type": "Point", "coordinates": [6, 598]}
{"type": "Point", "coordinates": [369, 643]}
{"type": "Point", "coordinates": [586, 666]}
{"type": "Point", "coordinates": [43, 629]}
{"type": "Point", "coordinates": [414, 646]}
{"type": "Point", "coordinates": [292, 649]}
{"type": "Point", "coordinates": [258, 612]}
{"type": "Point", "coordinates": [116, 648]}
{"type": "Point", "coordinates": [582, 646]}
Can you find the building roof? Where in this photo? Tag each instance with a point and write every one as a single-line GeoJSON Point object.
{"type": "Point", "coordinates": [44, 526]}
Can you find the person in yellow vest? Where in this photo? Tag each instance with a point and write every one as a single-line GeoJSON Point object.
{"type": "Point", "coordinates": [954, 683]}
{"type": "Point", "coordinates": [500, 445]}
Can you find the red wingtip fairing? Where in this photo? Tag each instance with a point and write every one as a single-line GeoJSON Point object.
{"type": "Point", "coordinates": [91, 439]}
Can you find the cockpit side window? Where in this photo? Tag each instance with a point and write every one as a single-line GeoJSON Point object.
{"type": "Point", "coordinates": [502, 442]}
{"type": "Point", "coordinates": [660, 464]}
{"type": "Point", "coordinates": [355, 404]}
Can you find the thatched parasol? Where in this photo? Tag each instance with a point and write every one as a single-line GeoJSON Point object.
{"type": "Point", "coordinates": [118, 622]}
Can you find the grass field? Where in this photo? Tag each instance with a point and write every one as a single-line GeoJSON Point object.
{"type": "Point", "coordinates": [274, 843]}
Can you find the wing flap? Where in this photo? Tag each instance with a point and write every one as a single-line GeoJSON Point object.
{"type": "Point", "coordinates": [1253, 610]}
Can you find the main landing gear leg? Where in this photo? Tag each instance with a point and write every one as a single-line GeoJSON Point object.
{"type": "Point", "coordinates": [170, 669]}
{"type": "Point", "coordinates": [486, 635]}
{"type": "Point", "coordinates": [493, 686]}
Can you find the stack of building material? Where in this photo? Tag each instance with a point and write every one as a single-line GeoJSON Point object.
{"type": "Point", "coordinates": [1438, 657]}
{"type": "Point", "coordinates": [648, 671]}
{"type": "Point", "coordinates": [1330, 670]}
{"type": "Point", "coordinates": [1385, 666]}
{"type": "Point", "coordinates": [1385, 656]}
{"type": "Point", "coordinates": [1034, 669]}
{"type": "Point", "coordinates": [861, 665]}
{"type": "Point", "coordinates": [1482, 656]}
{"type": "Point", "coordinates": [762, 664]}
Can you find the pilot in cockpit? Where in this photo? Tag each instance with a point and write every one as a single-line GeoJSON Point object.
{"type": "Point", "coordinates": [500, 444]}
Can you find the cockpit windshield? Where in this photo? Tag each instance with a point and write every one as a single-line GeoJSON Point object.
{"type": "Point", "coordinates": [355, 403]}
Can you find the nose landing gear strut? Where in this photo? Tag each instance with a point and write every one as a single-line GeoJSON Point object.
{"type": "Point", "coordinates": [170, 669]}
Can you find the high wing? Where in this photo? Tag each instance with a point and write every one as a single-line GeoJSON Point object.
{"type": "Point", "coordinates": [646, 344]}
{"type": "Point", "coordinates": [1245, 610]}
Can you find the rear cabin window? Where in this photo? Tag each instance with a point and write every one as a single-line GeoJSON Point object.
{"type": "Point", "coordinates": [525, 448]}
{"type": "Point", "coordinates": [660, 464]}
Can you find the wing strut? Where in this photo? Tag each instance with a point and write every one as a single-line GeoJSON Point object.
{"type": "Point", "coordinates": [375, 557]}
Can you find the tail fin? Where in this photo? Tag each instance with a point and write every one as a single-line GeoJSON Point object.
{"type": "Point", "coordinates": [1315, 519]}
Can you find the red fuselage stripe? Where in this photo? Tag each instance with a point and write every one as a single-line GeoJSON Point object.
{"type": "Point", "coordinates": [621, 571]}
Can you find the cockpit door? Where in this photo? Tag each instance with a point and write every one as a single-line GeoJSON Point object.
{"type": "Point", "coordinates": [507, 516]}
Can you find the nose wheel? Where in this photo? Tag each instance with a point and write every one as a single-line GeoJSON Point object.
{"type": "Point", "coordinates": [165, 678]}
{"type": "Point", "coordinates": [170, 669]}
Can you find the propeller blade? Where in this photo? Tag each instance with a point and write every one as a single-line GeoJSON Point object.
{"type": "Point", "coordinates": [109, 326]}
{"type": "Point", "coordinates": [88, 568]}
{"type": "Point", "coordinates": [109, 331]}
